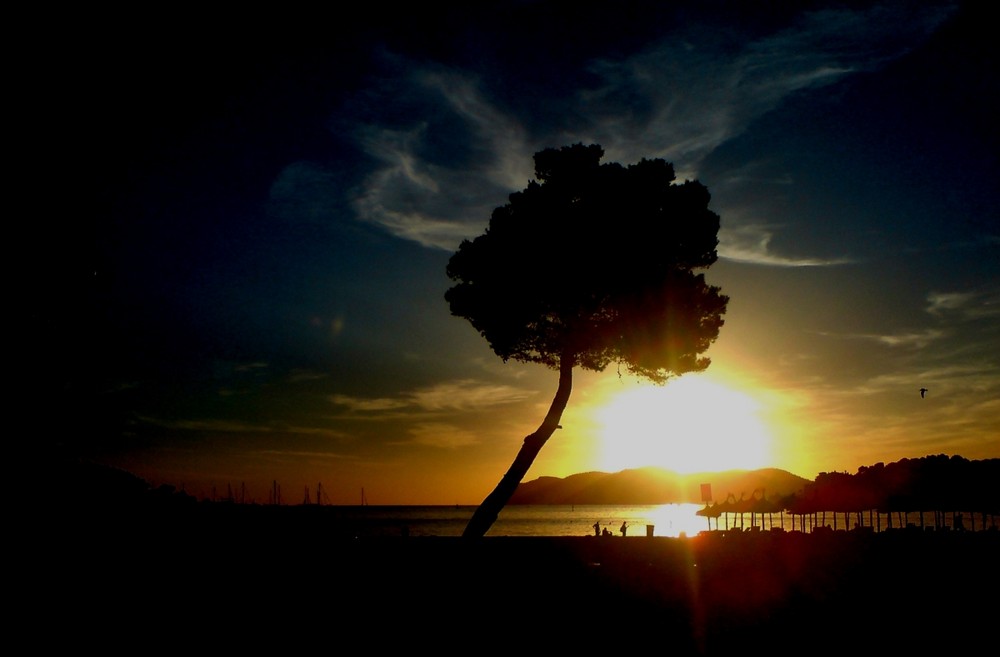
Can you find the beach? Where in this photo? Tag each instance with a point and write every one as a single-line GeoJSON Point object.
{"type": "Point", "coordinates": [289, 588]}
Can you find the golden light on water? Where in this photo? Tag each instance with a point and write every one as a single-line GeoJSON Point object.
{"type": "Point", "coordinates": [691, 424]}
{"type": "Point", "coordinates": [677, 520]}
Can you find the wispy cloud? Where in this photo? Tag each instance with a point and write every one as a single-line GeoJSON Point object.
{"type": "Point", "coordinates": [242, 427]}
{"type": "Point", "coordinates": [751, 244]}
{"type": "Point", "coordinates": [467, 395]}
{"type": "Point", "coordinates": [456, 396]}
{"type": "Point", "coordinates": [300, 375]}
{"type": "Point", "coordinates": [438, 203]}
{"type": "Point", "coordinates": [916, 340]}
{"type": "Point", "coordinates": [370, 404]}
{"type": "Point", "coordinates": [442, 435]}
{"type": "Point", "coordinates": [941, 302]}
{"type": "Point", "coordinates": [911, 340]}
{"type": "Point", "coordinates": [968, 305]}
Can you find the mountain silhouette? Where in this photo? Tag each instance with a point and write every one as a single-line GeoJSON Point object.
{"type": "Point", "coordinates": [652, 485]}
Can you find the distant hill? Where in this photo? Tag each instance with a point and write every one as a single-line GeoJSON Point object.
{"type": "Point", "coordinates": [655, 486]}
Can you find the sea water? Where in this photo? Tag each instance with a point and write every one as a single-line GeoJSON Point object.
{"type": "Point", "coordinates": [668, 520]}
{"type": "Point", "coordinates": [582, 520]}
{"type": "Point", "coordinates": [526, 520]}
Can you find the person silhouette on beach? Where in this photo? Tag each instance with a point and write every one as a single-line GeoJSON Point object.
{"type": "Point", "coordinates": [597, 528]}
{"type": "Point", "coordinates": [624, 528]}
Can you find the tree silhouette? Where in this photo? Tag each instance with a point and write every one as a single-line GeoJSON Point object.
{"type": "Point", "coordinates": [591, 264]}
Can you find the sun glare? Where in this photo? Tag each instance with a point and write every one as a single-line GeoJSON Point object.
{"type": "Point", "coordinates": [691, 424]}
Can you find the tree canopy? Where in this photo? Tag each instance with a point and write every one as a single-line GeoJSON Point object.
{"type": "Point", "coordinates": [595, 263]}
{"type": "Point", "coordinates": [590, 264]}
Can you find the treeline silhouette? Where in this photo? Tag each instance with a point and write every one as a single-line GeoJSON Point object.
{"type": "Point", "coordinates": [938, 485]}
{"type": "Point", "coordinates": [937, 492]}
{"type": "Point", "coordinates": [86, 489]}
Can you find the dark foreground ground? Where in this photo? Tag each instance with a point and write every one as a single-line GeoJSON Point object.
{"type": "Point", "coordinates": [124, 587]}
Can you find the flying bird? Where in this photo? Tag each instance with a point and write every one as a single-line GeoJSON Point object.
{"type": "Point", "coordinates": [923, 391]}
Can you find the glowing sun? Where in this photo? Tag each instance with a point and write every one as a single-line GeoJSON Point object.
{"type": "Point", "coordinates": [689, 425]}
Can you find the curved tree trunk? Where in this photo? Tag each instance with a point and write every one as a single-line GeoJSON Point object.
{"type": "Point", "coordinates": [487, 513]}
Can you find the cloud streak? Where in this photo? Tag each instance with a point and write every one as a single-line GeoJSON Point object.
{"type": "Point", "coordinates": [751, 244]}
{"type": "Point", "coordinates": [968, 305]}
{"type": "Point", "coordinates": [440, 435]}
{"type": "Point", "coordinates": [455, 397]}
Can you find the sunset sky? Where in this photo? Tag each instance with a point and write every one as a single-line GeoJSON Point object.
{"type": "Point", "coordinates": [253, 216]}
